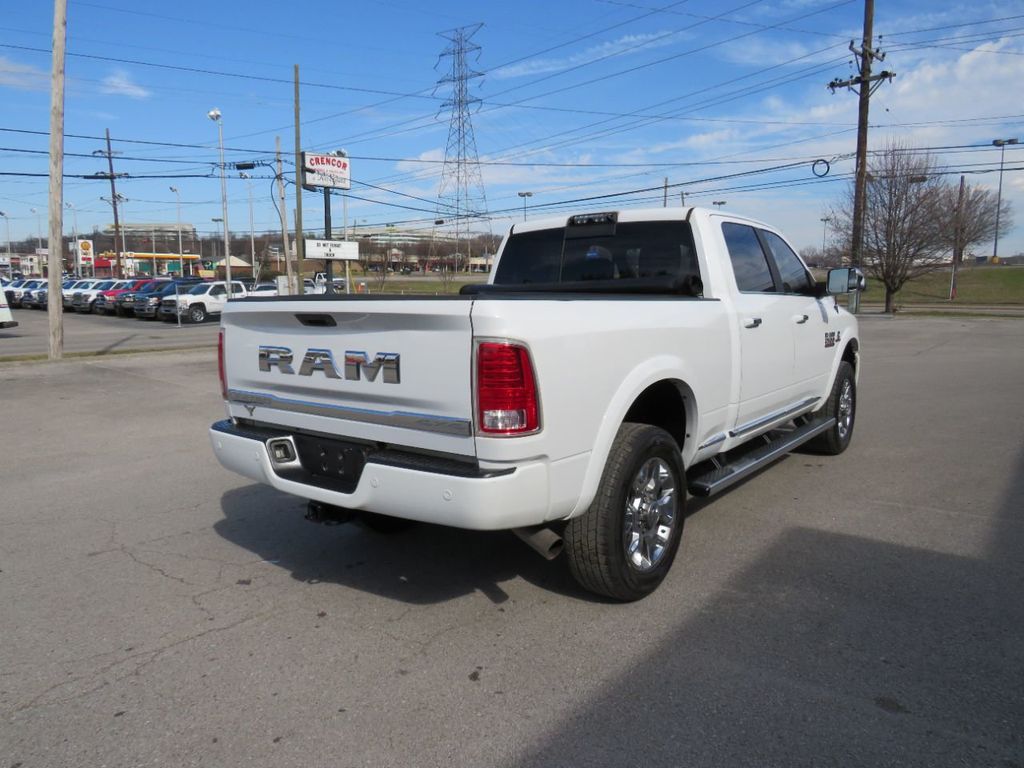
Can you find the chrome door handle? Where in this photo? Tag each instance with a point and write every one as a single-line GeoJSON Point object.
{"type": "Point", "coordinates": [752, 322]}
{"type": "Point", "coordinates": [800, 319]}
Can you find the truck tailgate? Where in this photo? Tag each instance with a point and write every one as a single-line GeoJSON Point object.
{"type": "Point", "coordinates": [393, 371]}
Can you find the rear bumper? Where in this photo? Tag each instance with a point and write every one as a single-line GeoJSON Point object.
{"type": "Point", "coordinates": [514, 498]}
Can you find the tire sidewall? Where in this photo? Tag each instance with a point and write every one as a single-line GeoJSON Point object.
{"type": "Point", "coordinates": [196, 314]}
{"type": "Point", "coordinates": [654, 443]}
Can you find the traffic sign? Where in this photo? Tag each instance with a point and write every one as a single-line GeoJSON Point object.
{"type": "Point", "coordinates": [335, 250]}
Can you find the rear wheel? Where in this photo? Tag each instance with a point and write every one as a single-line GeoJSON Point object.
{"type": "Point", "coordinates": [624, 545]}
{"type": "Point", "coordinates": [841, 404]}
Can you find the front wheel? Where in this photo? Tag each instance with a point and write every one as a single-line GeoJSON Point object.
{"type": "Point", "coordinates": [196, 314]}
{"type": "Point", "coordinates": [624, 545]}
{"type": "Point", "coordinates": [841, 404]}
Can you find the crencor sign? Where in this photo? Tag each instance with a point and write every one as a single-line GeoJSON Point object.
{"type": "Point", "coordinates": [326, 171]}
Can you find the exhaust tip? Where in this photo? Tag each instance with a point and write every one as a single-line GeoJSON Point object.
{"type": "Point", "coordinates": [541, 540]}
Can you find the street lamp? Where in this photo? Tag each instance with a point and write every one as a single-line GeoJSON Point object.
{"type": "Point", "coordinates": [181, 253]}
{"type": "Point", "coordinates": [217, 220]}
{"type": "Point", "coordinates": [1001, 143]}
{"type": "Point", "coordinates": [214, 114]}
{"type": "Point", "coordinates": [7, 220]}
{"type": "Point", "coordinates": [74, 235]}
{"type": "Point", "coordinates": [525, 195]}
{"type": "Point", "coordinates": [718, 203]}
{"type": "Point", "coordinates": [824, 228]}
{"type": "Point", "coordinates": [39, 229]}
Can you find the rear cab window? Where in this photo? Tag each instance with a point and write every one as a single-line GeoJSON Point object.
{"type": "Point", "coordinates": [600, 250]}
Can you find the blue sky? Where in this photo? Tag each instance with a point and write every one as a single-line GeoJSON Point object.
{"type": "Point", "coordinates": [578, 98]}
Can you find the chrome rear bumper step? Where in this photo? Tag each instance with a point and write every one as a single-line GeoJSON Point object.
{"type": "Point", "coordinates": [718, 476]}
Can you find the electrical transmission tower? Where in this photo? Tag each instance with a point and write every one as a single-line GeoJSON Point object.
{"type": "Point", "coordinates": [461, 198]}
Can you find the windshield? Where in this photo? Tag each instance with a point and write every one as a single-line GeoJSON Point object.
{"type": "Point", "coordinates": [104, 285]}
{"type": "Point", "coordinates": [606, 251]}
{"type": "Point", "coordinates": [200, 289]}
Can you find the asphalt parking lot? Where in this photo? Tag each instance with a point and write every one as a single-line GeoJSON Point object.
{"type": "Point", "coordinates": [862, 610]}
{"type": "Point", "coordinates": [100, 334]}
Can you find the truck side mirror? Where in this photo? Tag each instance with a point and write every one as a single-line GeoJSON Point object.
{"type": "Point", "coordinates": [845, 280]}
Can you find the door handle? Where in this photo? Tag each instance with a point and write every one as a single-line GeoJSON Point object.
{"type": "Point", "coordinates": [751, 322]}
{"type": "Point", "coordinates": [800, 319]}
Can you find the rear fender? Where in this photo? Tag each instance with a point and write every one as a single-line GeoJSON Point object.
{"type": "Point", "coordinates": [662, 368]}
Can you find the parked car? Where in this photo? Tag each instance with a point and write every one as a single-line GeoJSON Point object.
{"type": "Point", "coordinates": [124, 304]}
{"type": "Point", "coordinates": [202, 301]}
{"type": "Point", "coordinates": [83, 299]}
{"type": "Point", "coordinates": [264, 289]}
{"type": "Point", "coordinates": [17, 291]}
{"type": "Point", "coordinates": [68, 294]}
{"type": "Point", "coordinates": [105, 301]}
{"type": "Point", "coordinates": [147, 305]}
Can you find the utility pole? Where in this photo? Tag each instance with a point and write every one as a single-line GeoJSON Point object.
{"type": "Point", "coordinates": [55, 256]}
{"type": "Point", "coordinates": [664, 200]}
{"type": "Point", "coordinates": [1001, 143]}
{"type": "Point", "coordinates": [682, 198]}
{"type": "Point", "coordinates": [114, 200]}
{"type": "Point", "coordinates": [181, 253]}
{"type": "Point", "coordinates": [284, 219]}
{"type": "Point", "coordinates": [300, 242]}
{"type": "Point", "coordinates": [958, 229]}
{"type": "Point", "coordinates": [863, 85]}
{"type": "Point", "coordinates": [252, 230]}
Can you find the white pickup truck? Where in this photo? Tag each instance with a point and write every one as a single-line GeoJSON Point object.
{"type": "Point", "coordinates": [613, 362]}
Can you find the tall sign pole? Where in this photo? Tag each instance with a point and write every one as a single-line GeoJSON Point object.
{"type": "Point", "coordinates": [55, 257]}
{"type": "Point", "coordinates": [864, 85]}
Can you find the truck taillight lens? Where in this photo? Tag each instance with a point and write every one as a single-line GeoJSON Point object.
{"type": "Point", "coordinates": [220, 365]}
{"type": "Point", "coordinates": [506, 390]}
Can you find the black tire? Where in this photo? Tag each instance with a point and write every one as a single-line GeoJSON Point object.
{"type": "Point", "coordinates": [843, 408]}
{"type": "Point", "coordinates": [197, 313]}
{"type": "Point", "coordinates": [603, 558]}
{"type": "Point", "coordinates": [385, 524]}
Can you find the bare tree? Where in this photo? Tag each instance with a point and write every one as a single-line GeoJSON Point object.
{"type": "Point", "coordinates": [905, 234]}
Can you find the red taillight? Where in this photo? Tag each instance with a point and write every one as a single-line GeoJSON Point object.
{"type": "Point", "coordinates": [220, 365]}
{"type": "Point", "coordinates": [506, 393]}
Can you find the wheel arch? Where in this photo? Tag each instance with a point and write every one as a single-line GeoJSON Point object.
{"type": "Point", "coordinates": [652, 394]}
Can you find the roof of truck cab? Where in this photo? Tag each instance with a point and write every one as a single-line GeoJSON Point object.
{"type": "Point", "coordinates": [635, 214]}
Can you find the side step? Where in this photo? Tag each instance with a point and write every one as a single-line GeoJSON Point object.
{"type": "Point", "coordinates": [721, 475]}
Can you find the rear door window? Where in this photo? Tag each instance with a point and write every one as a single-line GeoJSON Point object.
{"type": "Point", "coordinates": [749, 264]}
{"type": "Point", "coordinates": [794, 275]}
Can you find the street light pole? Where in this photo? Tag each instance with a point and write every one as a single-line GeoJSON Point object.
{"type": "Point", "coordinates": [214, 114]}
{"type": "Point", "coordinates": [181, 254]}
{"type": "Point", "coordinates": [525, 195]}
{"type": "Point", "coordinates": [7, 220]}
{"type": "Point", "coordinates": [39, 229]}
{"type": "Point", "coordinates": [824, 229]}
{"type": "Point", "coordinates": [74, 235]}
{"type": "Point", "coordinates": [718, 203]}
{"type": "Point", "coordinates": [1001, 143]}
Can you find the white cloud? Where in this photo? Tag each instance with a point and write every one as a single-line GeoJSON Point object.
{"type": "Point", "coordinates": [119, 83]}
{"type": "Point", "coordinates": [22, 76]}
{"type": "Point", "coordinates": [625, 44]}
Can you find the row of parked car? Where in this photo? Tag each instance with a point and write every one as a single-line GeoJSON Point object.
{"type": "Point", "coordinates": [193, 299]}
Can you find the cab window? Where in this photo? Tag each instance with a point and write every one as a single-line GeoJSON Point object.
{"type": "Point", "coordinates": [748, 260]}
{"type": "Point", "coordinates": [794, 275]}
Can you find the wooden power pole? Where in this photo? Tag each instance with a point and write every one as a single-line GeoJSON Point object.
{"type": "Point", "coordinates": [864, 84]}
{"type": "Point", "coordinates": [55, 253]}
{"type": "Point", "coordinates": [284, 218]}
{"type": "Point", "coordinates": [300, 242]}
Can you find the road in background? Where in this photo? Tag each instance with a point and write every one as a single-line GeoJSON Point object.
{"type": "Point", "coordinates": [101, 334]}
{"type": "Point", "coordinates": [855, 610]}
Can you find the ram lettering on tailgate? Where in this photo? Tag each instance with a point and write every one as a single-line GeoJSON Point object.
{"type": "Point", "coordinates": [357, 364]}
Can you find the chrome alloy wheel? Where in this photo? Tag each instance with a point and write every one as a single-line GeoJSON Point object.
{"type": "Point", "coordinates": [844, 418]}
{"type": "Point", "coordinates": [650, 514]}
